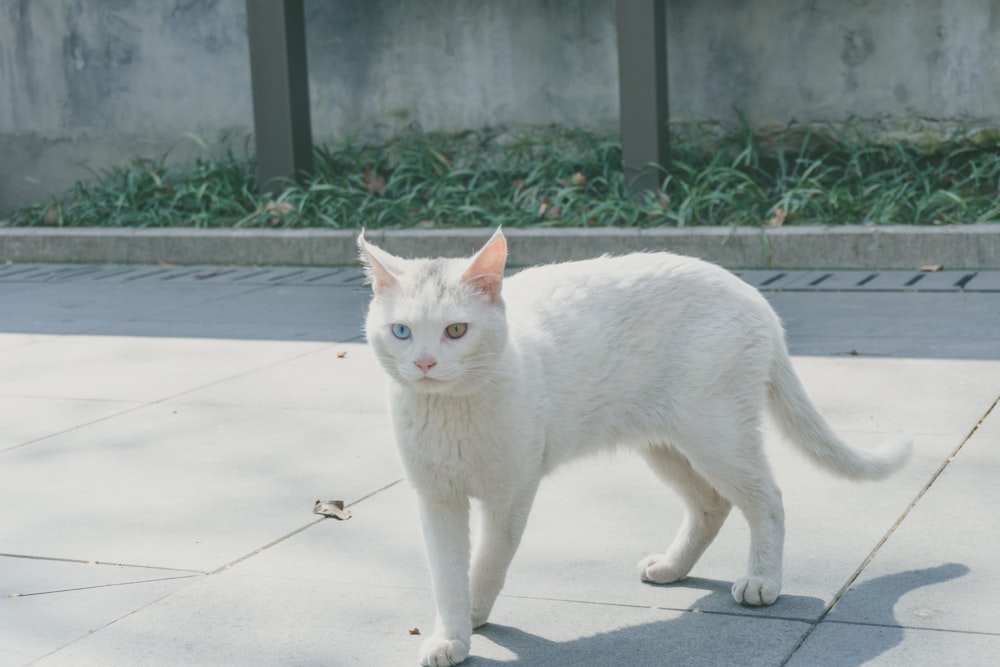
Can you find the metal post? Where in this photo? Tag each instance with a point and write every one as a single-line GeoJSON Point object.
{"type": "Point", "coordinates": [642, 76]}
{"type": "Point", "coordinates": [280, 79]}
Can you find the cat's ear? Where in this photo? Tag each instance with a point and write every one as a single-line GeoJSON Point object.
{"type": "Point", "coordinates": [378, 265]}
{"type": "Point", "coordinates": [485, 273]}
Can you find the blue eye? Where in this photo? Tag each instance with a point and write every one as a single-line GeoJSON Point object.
{"type": "Point", "coordinates": [401, 331]}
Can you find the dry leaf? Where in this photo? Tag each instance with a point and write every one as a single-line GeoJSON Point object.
{"type": "Point", "coordinates": [414, 631]}
{"type": "Point", "coordinates": [427, 224]}
{"type": "Point", "coordinates": [543, 206]}
{"type": "Point", "coordinates": [342, 354]}
{"type": "Point", "coordinates": [332, 508]}
{"type": "Point", "coordinates": [577, 180]}
{"type": "Point", "coordinates": [52, 216]}
{"type": "Point", "coordinates": [518, 186]}
{"type": "Point", "coordinates": [553, 212]}
{"type": "Point", "coordinates": [373, 181]}
{"type": "Point", "coordinates": [662, 198]}
{"type": "Point", "coordinates": [931, 268]}
{"type": "Point", "coordinates": [777, 219]}
{"type": "Point", "coordinates": [278, 207]}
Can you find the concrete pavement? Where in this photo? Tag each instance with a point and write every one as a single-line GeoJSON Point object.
{"type": "Point", "coordinates": [165, 430]}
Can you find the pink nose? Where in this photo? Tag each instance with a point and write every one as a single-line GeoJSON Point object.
{"type": "Point", "coordinates": [425, 363]}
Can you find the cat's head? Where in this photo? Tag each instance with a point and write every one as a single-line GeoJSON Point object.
{"type": "Point", "coordinates": [437, 325]}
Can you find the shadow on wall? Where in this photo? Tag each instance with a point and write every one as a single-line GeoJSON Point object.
{"type": "Point", "coordinates": [699, 638]}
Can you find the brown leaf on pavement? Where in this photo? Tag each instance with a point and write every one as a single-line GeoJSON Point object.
{"type": "Point", "coordinates": [332, 508]}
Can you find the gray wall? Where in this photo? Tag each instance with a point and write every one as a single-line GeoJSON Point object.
{"type": "Point", "coordinates": [89, 83]}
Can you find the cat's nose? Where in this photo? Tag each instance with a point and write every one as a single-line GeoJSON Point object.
{"type": "Point", "coordinates": [426, 363]}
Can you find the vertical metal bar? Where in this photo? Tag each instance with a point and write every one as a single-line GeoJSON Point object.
{"type": "Point", "coordinates": [280, 78]}
{"type": "Point", "coordinates": [642, 76]}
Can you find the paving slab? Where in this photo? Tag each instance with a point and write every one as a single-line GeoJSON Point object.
{"type": "Point", "coordinates": [185, 486]}
{"type": "Point", "coordinates": [342, 377]}
{"type": "Point", "coordinates": [266, 621]}
{"type": "Point", "coordinates": [24, 420]}
{"type": "Point", "coordinates": [45, 605]}
{"type": "Point", "coordinates": [133, 368]}
{"type": "Point", "coordinates": [849, 645]}
{"type": "Point", "coordinates": [948, 546]}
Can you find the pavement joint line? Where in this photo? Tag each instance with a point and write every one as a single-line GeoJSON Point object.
{"type": "Point", "coordinates": [301, 529]}
{"type": "Point", "coordinates": [78, 561]}
{"type": "Point", "coordinates": [164, 399]}
{"type": "Point", "coordinates": [868, 624]}
{"type": "Point", "coordinates": [77, 427]}
{"type": "Point", "coordinates": [109, 585]}
{"type": "Point", "coordinates": [93, 631]}
{"type": "Point", "coordinates": [267, 546]}
{"type": "Point", "coordinates": [762, 614]}
{"type": "Point", "coordinates": [892, 529]}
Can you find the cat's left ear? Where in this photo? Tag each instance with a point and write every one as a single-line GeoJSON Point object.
{"type": "Point", "coordinates": [485, 273]}
{"type": "Point", "coordinates": [377, 264]}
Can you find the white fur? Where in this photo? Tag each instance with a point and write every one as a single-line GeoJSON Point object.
{"type": "Point", "coordinates": [668, 355]}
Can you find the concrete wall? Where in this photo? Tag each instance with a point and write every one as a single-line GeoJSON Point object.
{"type": "Point", "coordinates": [88, 83]}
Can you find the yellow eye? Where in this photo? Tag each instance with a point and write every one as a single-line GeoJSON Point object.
{"type": "Point", "coordinates": [456, 330]}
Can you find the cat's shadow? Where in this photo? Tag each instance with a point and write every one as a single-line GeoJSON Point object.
{"type": "Point", "coordinates": [721, 634]}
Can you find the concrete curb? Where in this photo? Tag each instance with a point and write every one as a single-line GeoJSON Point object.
{"type": "Point", "coordinates": [889, 247]}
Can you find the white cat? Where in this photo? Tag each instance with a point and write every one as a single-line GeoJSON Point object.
{"type": "Point", "coordinates": [499, 381]}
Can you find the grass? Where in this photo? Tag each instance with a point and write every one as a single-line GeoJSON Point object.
{"type": "Point", "coordinates": [555, 178]}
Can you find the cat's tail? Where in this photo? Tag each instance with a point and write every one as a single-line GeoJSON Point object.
{"type": "Point", "coordinates": [802, 423]}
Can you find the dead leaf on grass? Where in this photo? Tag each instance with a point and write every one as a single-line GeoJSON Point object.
{"type": "Point", "coordinates": [52, 216]}
{"type": "Point", "coordinates": [373, 181]}
{"type": "Point", "coordinates": [777, 218]}
{"type": "Point", "coordinates": [278, 210]}
{"type": "Point", "coordinates": [577, 180]}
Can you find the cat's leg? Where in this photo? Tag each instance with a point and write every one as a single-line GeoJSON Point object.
{"type": "Point", "coordinates": [502, 526]}
{"type": "Point", "coordinates": [706, 512]}
{"type": "Point", "coordinates": [742, 475]}
{"type": "Point", "coordinates": [446, 535]}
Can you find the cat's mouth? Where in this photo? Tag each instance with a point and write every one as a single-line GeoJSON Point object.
{"type": "Point", "coordinates": [429, 384]}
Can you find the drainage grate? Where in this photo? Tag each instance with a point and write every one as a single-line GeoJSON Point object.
{"type": "Point", "coordinates": [873, 281]}
{"type": "Point", "coordinates": [279, 275]}
{"type": "Point", "coordinates": [765, 280]}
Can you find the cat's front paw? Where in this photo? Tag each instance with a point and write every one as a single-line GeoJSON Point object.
{"type": "Point", "coordinates": [443, 652]}
{"type": "Point", "coordinates": [658, 569]}
{"type": "Point", "coordinates": [756, 591]}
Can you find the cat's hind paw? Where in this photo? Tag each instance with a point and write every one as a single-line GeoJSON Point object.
{"type": "Point", "coordinates": [443, 652]}
{"type": "Point", "coordinates": [658, 569]}
{"type": "Point", "coordinates": [756, 591]}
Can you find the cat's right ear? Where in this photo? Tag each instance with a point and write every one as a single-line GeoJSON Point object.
{"type": "Point", "coordinates": [377, 263]}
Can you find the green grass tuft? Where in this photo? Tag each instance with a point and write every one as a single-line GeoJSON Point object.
{"type": "Point", "coordinates": [556, 178]}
